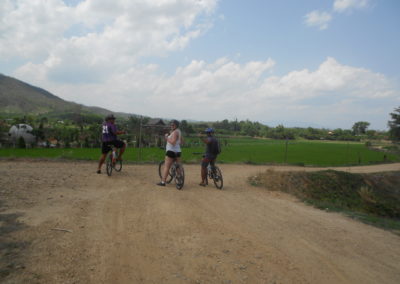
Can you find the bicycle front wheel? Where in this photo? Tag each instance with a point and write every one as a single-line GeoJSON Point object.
{"type": "Point", "coordinates": [109, 166]}
{"type": "Point", "coordinates": [179, 177]}
{"type": "Point", "coordinates": [161, 171]}
{"type": "Point", "coordinates": [218, 180]}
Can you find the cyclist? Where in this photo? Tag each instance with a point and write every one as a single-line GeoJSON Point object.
{"type": "Point", "coordinates": [174, 140]}
{"type": "Point", "coordinates": [109, 140]}
{"type": "Point", "coordinates": [212, 151]}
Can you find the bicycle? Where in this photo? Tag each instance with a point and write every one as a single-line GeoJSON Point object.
{"type": "Point", "coordinates": [214, 173]}
{"type": "Point", "coordinates": [112, 163]}
{"type": "Point", "coordinates": [176, 172]}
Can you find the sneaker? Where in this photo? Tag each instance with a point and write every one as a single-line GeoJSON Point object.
{"type": "Point", "coordinates": [98, 171]}
{"type": "Point", "coordinates": [161, 183]}
{"type": "Point", "coordinates": [202, 184]}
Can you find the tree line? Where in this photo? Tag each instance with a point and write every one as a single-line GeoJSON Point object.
{"type": "Point", "coordinates": [84, 130]}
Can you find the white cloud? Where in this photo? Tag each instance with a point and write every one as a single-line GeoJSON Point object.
{"type": "Point", "coordinates": [90, 53]}
{"type": "Point", "coordinates": [318, 19]}
{"type": "Point", "coordinates": [322, 19]}
{"type": "Point", "coordinates": [31, 28]}
{"type": "Point", "coordinates": [330, 79]}
{"type": "Point", "coordinates": [97, 34]}
{"type": "Point", "coordinates": [347, 5]}
{"type": "Point", "coordinates": [226, 89]}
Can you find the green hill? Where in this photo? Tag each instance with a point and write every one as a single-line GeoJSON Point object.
{"type": "Point", "coordinates": [17, 98]}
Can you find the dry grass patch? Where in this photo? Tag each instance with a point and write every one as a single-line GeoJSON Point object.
{"type": "Point", "coordinates": [373, 198]}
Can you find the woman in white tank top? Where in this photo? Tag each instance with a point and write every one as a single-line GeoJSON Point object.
{"type": "Point", "coordinates": [173, 149]}
{"type": "Point", "coordinates": [174, 141]}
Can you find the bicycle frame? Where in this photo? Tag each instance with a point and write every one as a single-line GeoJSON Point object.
{"type": "Point", "coordinates": [112, 163]}
{"type": "Point", "coordinates": [176, 172]}
{"type": "Point", "coordinates": [211, 171]}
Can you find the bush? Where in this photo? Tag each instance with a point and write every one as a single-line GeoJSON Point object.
{"type": "Point", "coordinates": [377, 194]}
{"type": "Point", "coordinates": [21, 142]}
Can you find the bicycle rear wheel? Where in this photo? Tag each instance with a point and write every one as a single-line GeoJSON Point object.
{"type": "Point", "coordinates": [217, 178]}
{"type": "Point", "coordinates": [179, 176]}
{"type": "Point", "coordinates": [118, 165]}
{"type": "Point", "coordinates": [109, 166]}
{"type": "Point", "coordinates": [161, 170]}
{"type": "Point", "coordinates": [209, 175]}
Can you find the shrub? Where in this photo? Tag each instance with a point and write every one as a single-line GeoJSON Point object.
{"type": "Point", "coordinates": [21, 142]}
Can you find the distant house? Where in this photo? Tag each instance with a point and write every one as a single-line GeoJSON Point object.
{"type": "Point", "coordinates": [155, 129]}
{"type": "Point", "coordinates": [156, 126]}
{"type": "Point", "coordinates": [21, 130]}
{"type": "Point", "coordinates": [53, 142]}
{"type": "Point", "coordinates": [156, 122]}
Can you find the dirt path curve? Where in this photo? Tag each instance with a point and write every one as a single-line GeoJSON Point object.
{"type": "Point", "coordinates": [125, 229]}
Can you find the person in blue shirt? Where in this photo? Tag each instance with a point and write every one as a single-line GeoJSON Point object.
{"type": "Point", "coordinates": [210, 156]}
{"type": "Point", "coordinates": [109, 140]}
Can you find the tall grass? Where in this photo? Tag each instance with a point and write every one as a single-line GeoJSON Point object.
{"type": "Point", "coordinates": [372, 198]}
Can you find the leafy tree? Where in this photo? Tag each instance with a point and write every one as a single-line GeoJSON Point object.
{"type": "Point", "coordinates": [250, 128]}
{"type": "Point", "coordinates": [43, 121]}
{"type": "Point", "coordinates": [394, 125]}
{"type": "Point", "coordinates": [225, 125]}
{"type": "Point", "coordinates": [200, 127]}
{"type": "Point", "coordinates": [186, 127]}
{"type": "Point", "coordinates": [313, 133]}
{"type": "Point", "coordinates": [21, 142]}
{"type": "Point", "coordinates": [360, 127]}
{"type": "Point", "coordinates": [39, 132]}
{"type": "Point", "coordinates": [280, 132]}
{"type": "Point", "coordinates": [133, 123]}
{"type": "Point", "coordinates": [371, 134]}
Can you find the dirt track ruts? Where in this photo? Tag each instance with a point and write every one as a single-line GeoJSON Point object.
{"type": "Point", "coordinates": [125, 229]}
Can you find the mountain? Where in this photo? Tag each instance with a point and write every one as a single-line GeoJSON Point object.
{"type": "Point", "coordinates": [17, 97]}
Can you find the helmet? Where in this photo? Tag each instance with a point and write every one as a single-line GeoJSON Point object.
{"type": "Point", "coordinates": [174, 121]}
{"type": "Point", "coordinates": [209, 130]}
{"type": "Point", "coordinates": [110, 117]}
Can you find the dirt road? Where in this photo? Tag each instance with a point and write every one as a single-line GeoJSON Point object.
{"type": "Point", "coordinates": [62, 223]}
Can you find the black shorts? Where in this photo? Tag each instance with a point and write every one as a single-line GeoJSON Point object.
{"type": "Point", "coordinates": [107, 146]}
{"type": "Point", "coordinates": [206, 161]}
{"type": "Point", "coordinates": [173, 154]}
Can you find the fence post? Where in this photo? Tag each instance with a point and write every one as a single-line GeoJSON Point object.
{"type": "Point", "coordinates": [140, 140]}
{"type": "Point", "coordinates": [286, 149]}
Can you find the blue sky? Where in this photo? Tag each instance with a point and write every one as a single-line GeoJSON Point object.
{"type": "Point", "coordinates": [293, 62]}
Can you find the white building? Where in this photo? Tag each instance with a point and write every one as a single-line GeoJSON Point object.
{"type": "Point", "coordinates": [21, 130]}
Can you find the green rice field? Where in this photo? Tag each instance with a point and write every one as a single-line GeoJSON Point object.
{"type": "Point", "coordinates": [236, 150]}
